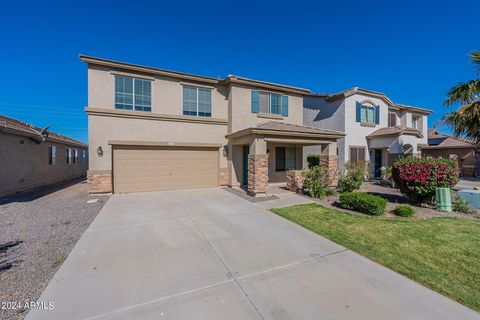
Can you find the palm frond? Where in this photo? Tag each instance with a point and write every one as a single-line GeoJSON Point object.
{"type": "Point", "coordinates": [466, 121]}
{"type": "Point", "coordinates": [475, 56]}
{"type": "Point", "coordinates": [464, 93]}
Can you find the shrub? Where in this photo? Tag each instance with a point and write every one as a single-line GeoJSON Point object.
{"type": "Point", "coordinates": [363, 202]}
{"type": "Point", "coordinates": [313, 160]}
{"type": "Point", "coordinates": [330, 192]}
{"type": "Point", "coordinates": [316, 181]}
{"type": "Point", "coordinates": [353, 177]}
{"type": "Point", "coordinates": [417, 178]}
{"type": "Point", "coordinates": [461, 205]}
{"type": "Point", "coordinates": [404, 210]}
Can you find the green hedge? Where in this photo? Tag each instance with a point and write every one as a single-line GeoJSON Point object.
{"type": "Point", "coordinates": [363, 202]}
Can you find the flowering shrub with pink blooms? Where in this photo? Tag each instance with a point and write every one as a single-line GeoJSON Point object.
{"type": "Point", "coordinates": [417, 178]}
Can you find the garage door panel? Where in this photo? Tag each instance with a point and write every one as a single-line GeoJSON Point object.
{"type": "Point", "coordinates": [138, 169]}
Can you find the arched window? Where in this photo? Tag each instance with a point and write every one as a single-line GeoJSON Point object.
{"type": "Point", "coordinates": [368, 112]}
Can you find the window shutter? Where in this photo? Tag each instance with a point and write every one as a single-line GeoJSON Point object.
{"type": "Point", "coordinates": [255, 101]}
{"type": "Point", "coordinates": [285, 106]}
{"type": "Point", "coordinates": [358, 112]}
{"type": "Point", "coordinates": [377, 114]}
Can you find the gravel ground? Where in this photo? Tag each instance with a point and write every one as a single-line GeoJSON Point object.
{"type": "Point", "coordinates": [36, 235]}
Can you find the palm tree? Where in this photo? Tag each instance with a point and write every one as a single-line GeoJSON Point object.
{"type": "Point", "coordinates": [465, 122]}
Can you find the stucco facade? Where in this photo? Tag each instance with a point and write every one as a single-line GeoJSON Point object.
{"type": "Point", "coordinates": [165, 124]}
{"type": "Point", "coordinates": [24, 164]}
{"type": "Point", "coordinates": [339, 112]}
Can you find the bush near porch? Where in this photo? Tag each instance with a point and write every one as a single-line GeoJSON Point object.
{"type": "Point", "coordinates": [353, 177]}
{"type": "Point", "coordinates": [417, 178]}
{"type": "Point", "coordinates": [317, 182]}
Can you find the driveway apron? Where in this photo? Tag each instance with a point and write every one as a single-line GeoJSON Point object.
{"type": "Point", "coordinates": [208, 254]}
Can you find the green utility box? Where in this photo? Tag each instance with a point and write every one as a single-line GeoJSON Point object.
{"type": "Point", "coordinates": [443, 199]}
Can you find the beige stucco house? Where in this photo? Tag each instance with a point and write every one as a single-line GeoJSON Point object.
{"type": "Point", "coordinates": [32, 157]}
{"type": "Point", "coordinates": [378, 131]}
{"type": "Point", "coordinates": [153, 129]}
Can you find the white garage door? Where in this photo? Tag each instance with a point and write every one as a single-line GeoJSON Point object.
{"type": "Point", "coordinates": [139, 168]}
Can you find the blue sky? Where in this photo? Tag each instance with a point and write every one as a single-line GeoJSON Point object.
{"type": "Point", "coordinates": [413, 51]}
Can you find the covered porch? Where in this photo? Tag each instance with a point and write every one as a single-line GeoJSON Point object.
{"type": "Point", "coordinates": [263, 154]}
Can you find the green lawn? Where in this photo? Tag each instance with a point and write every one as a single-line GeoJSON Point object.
{"type": "Point", "coordinates": [441, 253]}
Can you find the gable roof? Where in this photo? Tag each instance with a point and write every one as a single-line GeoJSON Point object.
{"type": "Point", "coordinates": [356, 90]}
{"type": "Point", "coordinates": [441, 140]}
{"type": "Point", "coordinates": [396, 130]}
{"type": "Point", "coordinates": [15, 126]}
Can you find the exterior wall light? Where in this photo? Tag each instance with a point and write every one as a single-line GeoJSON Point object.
{"type": "Point", "coordinates": [100, 151]}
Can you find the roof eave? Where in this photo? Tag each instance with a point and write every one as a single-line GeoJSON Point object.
{"type": "Point", "coordinates": [266, 85]}
{"type": "Point", "coordinates": [145, 69]}
{"type": "Point", "coordinates": [253, 131]}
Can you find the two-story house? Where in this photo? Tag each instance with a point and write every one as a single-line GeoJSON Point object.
{"type": "Point", "coordinates": [377, 130]}
{"type": "Point", "coordinates": [153, 129]}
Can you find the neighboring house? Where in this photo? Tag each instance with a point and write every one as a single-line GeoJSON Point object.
{"type": "Point", "coordinates": [377, 130]}
{"type": "Point", "coordinates": [153, 129]}
{"type": "Point", "coordinates": [465, 153]}
{"type": "Point", "coordinates": [31, 157]}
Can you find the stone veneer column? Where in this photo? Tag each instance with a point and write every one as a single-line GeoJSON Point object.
{"type": "Point", "coordinates": [100, 183]}
{"type": "Point", "coordinates": [330, 163]}
{"type": "Point", "coordinates": [257, 174]}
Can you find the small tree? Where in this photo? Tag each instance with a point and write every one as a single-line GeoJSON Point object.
{"type": "Point", "coordinates": [353, 177]}
{"type": "Point", "coordinates": [417, 178]}
{"type": "Point", "coordinates": [313, 160]}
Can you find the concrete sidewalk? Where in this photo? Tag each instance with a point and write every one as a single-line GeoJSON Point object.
{"type": "Point", "coordinates": [208, 254]}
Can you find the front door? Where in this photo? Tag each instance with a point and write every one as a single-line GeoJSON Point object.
{"type": "Point", "coordinates": [246, 151]}
{"type": "Point", "coordinates": [378, 163]}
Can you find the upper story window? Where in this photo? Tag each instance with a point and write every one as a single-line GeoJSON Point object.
{"type": "Point", "coordinates": [52, 154]}
{"type": "Point", "coordinates": [197, 101]}
{"type": "Point", "coordinates": [416, 122]}
{"type": "Point", "coordinates": [133, 94]}
{"type": "Point", "coordinates": [392, 119]}
{"type": "Point", "coordinates": [269, 103]}
{"type": "Point", "coordinates": [367, 113]}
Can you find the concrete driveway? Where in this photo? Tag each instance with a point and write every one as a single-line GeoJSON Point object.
{"type": "Point", "coordinates": [208, 254]}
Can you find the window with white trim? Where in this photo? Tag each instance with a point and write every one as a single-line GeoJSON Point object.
{"type": "Point", "coordinates": [197, 101]}
{"type": "Point", "coordinates": [75, 155]}
{"type": "Point", "coordinates": [368, 114]}
{"type": "Point", "coordinates": [133, 94]}
{"type": "Point", "coordinates": [416, 122]}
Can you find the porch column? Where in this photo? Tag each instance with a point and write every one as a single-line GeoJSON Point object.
{"type": "Point", "coordinates": [258, 167]}
{"type": "Point", "coordinates": [329, 160]}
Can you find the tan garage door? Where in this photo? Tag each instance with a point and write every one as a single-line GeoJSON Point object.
{"type": "Point", "coordinates": [137, 169]}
